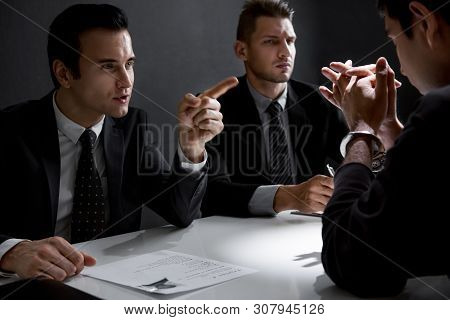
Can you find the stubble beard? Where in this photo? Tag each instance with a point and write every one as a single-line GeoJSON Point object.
{"type": "Point", "coordinates": [281, 78]}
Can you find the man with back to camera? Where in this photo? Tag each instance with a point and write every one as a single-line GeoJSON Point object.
{"type": "Point", "coordinates": [77, 164]}
{"type": "Point", "coordinates": [379, 231]}
{"type": "Point", "coordinates": [279, 133]}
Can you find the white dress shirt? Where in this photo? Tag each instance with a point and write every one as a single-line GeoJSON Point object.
{"type": "Point", "coordinates": [68, 134]}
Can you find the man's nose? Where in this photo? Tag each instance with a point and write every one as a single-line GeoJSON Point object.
{"type": "Point", "coordinates": [125, 79]}
{"type": "Point", "coordinates": [285, 50]}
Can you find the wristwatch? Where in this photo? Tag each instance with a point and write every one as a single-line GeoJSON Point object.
{"type": "Point", "coordinates": [378, 162]}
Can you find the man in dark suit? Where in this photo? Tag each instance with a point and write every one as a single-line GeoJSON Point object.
{"type": "Point", "coordinates": [79, 164]}
{"type": "Point", "coordinates": [379, 231]}
{"type": "Point", "coordinates": [279, 133]}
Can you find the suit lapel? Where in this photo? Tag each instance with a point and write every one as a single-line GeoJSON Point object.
{"type": "Point", "coordinates": [249, 113]}
{"type": "Point", "coordinates": [43, 135]}
{"type": "Point", "coordinates": [297, 119]}
{"type": "Point", "coordinates": [300, 129]}
{"type": "Point", "coordinates": [251, 127]}
{"type": "Point", "coordinates": [114, 158]}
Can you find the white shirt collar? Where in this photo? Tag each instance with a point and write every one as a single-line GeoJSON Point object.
{"type": "Point", "coordinates": [262, 102]}
{"type": "Point", "coordinates": [70, 129]}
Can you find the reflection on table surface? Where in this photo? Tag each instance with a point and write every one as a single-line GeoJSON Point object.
{"type": "Point", "coordinates": [284, 249]}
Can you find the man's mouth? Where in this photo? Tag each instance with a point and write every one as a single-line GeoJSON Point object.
{"type": "Point", "coordinates": [122, 99]}
{"type": "Point", "coordinates": [283, 65]}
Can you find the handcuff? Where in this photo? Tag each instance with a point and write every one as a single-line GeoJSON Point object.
{"type": "Point", "coordinates": [378, 150]}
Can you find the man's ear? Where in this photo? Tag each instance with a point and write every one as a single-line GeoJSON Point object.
{"type": "Point", "coordinates": [62, 73]}
{"type": "Point", "coordinates": [426, 20]}
{"type": "Point", "coordinates": [240, 49]}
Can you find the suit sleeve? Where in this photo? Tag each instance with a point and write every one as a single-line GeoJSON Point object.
{"type": "Point", "coordinates": [352, 255]}
{"type": "Point", "coordinates": [380, 231]}
{"type": "Point", "coordinates": [4, 177]}
{"type": "Point", "coordinates": [173, 192]}
{"type": "Point", "coordinates": [336, 130]}
{"type": "Point", "coordinates": [225, 197]}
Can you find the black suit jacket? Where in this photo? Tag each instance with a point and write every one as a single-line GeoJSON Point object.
{"type": "Point", "coordinates": [137, 174]}
{"type": "Point", "coordinates": [380, 231]}
{"type": "Point", "coordinates": [237, 163]}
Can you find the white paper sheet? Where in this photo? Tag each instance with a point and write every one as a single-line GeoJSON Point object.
{"type": "Point", "coordinates": [167, 272]}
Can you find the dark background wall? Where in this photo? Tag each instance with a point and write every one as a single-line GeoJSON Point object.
{"type": "Point", "coordinates": [186, 46]}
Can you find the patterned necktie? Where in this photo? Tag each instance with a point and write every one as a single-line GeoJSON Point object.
{"type": "Point", "coordinates": [88, 213]}
{"type": "Point", "coordinates": [279, 163]}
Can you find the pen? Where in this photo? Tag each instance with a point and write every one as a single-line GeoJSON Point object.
{"type": "Point", "coordinates": [330, 170]}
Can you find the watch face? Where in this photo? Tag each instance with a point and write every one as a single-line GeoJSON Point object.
{"type": "Point", "coordinates": [378, 162]}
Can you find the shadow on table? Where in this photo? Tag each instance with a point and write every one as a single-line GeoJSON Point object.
{"type": "Point", "coordinates": [426, 288]}
{"type": "Point", "coordinates": [315, 256]}
{"type": "Point", "coordinates": [323, 286]}
{"type": "Point", "coordinates": [327, 290]}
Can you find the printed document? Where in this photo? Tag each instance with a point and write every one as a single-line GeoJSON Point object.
{"type": "Point", "coordinates": [167, 272]}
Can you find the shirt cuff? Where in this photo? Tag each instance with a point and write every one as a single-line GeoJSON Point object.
{"type": "Point", "coordinates": [261, 203]}
{"type": "Point", "coordinates": [188, 165]}
{"type": "Point", "coordinates": [5, 247]}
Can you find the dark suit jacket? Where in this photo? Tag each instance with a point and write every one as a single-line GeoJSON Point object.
{"type": "Point", "coordinates": [237, 163]}
{"type": "Point", "coordinates": [42, 289]}
{"type": "Point", "coordinates": [380, 231]}
{"type": "Point", "coordinates": [136, 173]}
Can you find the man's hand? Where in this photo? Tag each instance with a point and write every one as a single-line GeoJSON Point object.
{"type": "Point", "coordinates": [52, 258]}
{"type": "Point", "coordinates": [364, 106]}
{"type": "Point", "coordinates": [200, 119]}
{"type": "Point", "coordinates": [391, 127]}
{"type": "Point", "coordinates": [341, 74]}
{"type": "Point", "coordinates": [335, 74]}
{"type": "Point", "coordinates": [309, 196]}
{"type": "Point", "coordinates": [339, 71]}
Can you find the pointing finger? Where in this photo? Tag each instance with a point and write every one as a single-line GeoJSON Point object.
{"type": "Point", "coordinates": [221, 88]}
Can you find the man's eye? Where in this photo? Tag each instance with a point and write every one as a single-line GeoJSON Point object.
{"type": "Point", "coordinates": [269, 41]}
{"type": "Point", "coordinates": [129, 64]}
{"type": "Point", "coordinates": [108, 66]}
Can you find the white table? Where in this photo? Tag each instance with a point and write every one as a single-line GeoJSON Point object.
{"type": "Point", "coordinates": [285, 250]}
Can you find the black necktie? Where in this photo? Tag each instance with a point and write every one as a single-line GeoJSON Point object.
{"type": "Point", "coordinates": [88, 213]}
{"type": "Point", "coordinates": [279, 162]}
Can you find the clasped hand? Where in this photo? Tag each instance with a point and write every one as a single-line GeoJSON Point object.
{"type": "Point", "coordinates": [367, 95]}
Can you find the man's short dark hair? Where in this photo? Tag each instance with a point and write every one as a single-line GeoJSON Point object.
{"type": "Point", "coordinates": [254, 9]}
{"type": "Point", "coordinates": [399, 10]}
{"type": "Point", "coordinates": [64, 34]}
